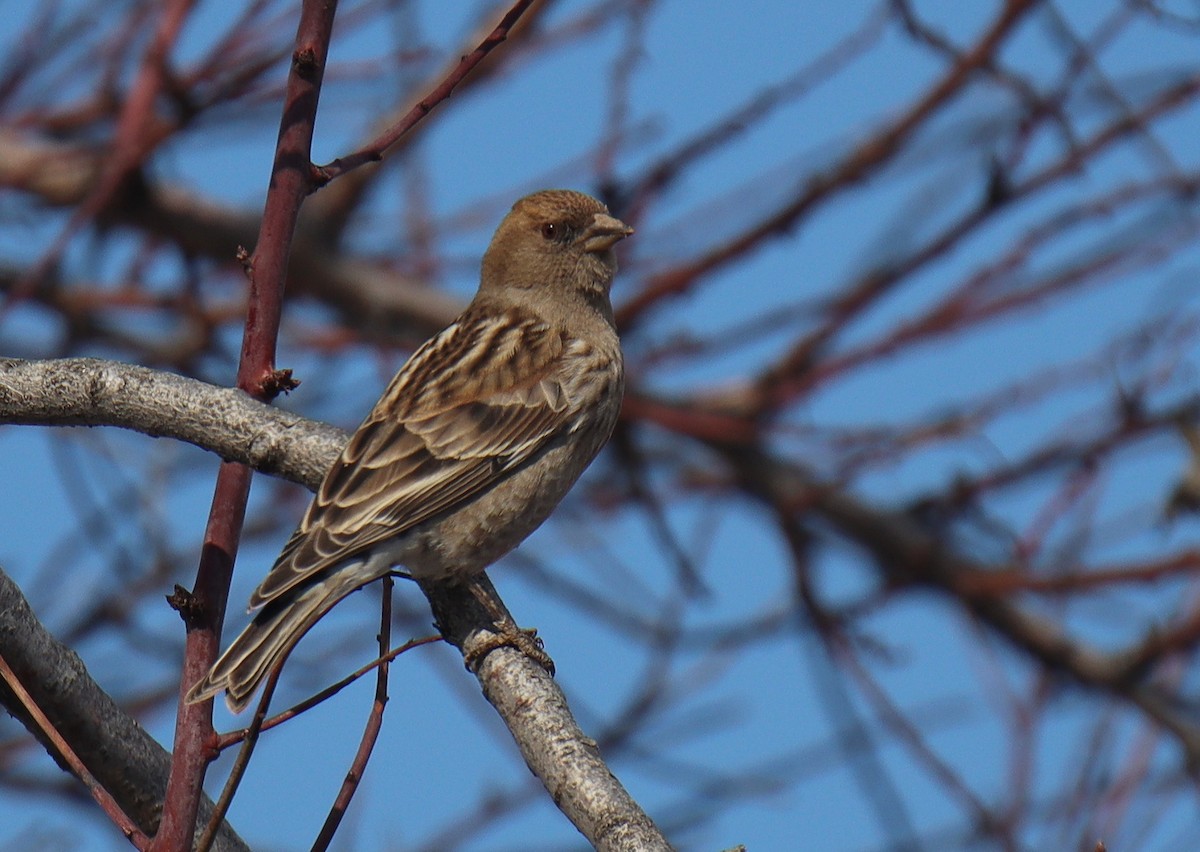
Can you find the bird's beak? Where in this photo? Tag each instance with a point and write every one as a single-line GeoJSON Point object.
{"type": "Point", "coordinates": [604, 232]}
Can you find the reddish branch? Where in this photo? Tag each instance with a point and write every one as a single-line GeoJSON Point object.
{"type": "Point", "coordinates": [137, 133]}
{"type": "Point", "coordinates": [290, 184]}
{"type": "Point", "coordinates": [67, 755]}
{"type": "Point", "coordinates": [374, 150]}
{"type": "Point", "coordinates": [878, 149]}
{"type": "Point", "coordinates": [371, 731]}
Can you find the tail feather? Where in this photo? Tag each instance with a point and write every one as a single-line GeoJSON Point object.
{"type": "Point", "coordinates": [270, 637]}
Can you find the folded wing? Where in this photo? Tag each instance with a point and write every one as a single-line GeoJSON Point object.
{"type": "Point", "coordinates": [438, 436]}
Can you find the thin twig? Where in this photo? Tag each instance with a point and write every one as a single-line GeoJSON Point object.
{"type": "Point", "coordinates": [373, 151]}
{"type": "Point", "coordinates": [249, 741]}
{"type": "Point", "coordinates": [204, 609]}
{"type": "Point", "coordinates": [370, 734]}
{"type": "Point", "coordinates": [127, 826]}
{"type": "Point", "coordinates": [234, 737]}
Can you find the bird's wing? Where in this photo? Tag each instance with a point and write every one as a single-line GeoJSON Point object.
{"type": "Point", "coordinates": [472, 404]}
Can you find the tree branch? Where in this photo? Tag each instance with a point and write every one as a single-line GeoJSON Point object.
{"type": "Point", "coordinates": [909, 556]}
{"type": "Point", "coordinates": [224, 421]}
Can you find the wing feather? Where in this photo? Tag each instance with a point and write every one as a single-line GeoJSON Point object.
{"type": "Point", "coordinates": [469, 406]}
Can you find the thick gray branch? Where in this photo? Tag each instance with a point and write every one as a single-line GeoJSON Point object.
{"type": "Point", "coordinates": [225, 421]}
{"type": "Point", "coordinates": [535, 710]}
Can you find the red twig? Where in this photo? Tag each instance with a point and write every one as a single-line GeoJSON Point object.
{"type": "Point", "coordinates": [137, 133]}
{"type": "Point", "coordinates": [243, 761]}
{"type": "Point", "coordinates": [373, 151]}
{"type": "Point", "coordinates": [203, 613]}
{"type": "Point", "coordinates": [67, 754]}
{"type": "Point", "coordinates": [234, 737]}
{"type": "Point", "coordinates": [291, 183]}
{"type": "Point", "coordinates": [248, 736]}
{"type": "Point", "coordinates": [370, 734]}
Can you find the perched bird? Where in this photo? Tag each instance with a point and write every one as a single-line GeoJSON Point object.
{"type": "Point", "coordinates": [472, 445]}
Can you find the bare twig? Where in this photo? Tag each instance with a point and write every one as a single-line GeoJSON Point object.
{"type": "Point", "coordinates": [370, 733]}
{"type": "Point", "coordinates": [374, 150]}
{"type": "Point", "coordinates": [64, 751]}
{"type": "Point", "coordinates": [290, 184]}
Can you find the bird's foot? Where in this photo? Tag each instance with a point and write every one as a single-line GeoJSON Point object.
{"type": "Point", "coordinates": [507, 635]}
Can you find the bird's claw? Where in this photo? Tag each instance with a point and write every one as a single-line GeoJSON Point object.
{"type": "Point", "coordinates": [508, 635]}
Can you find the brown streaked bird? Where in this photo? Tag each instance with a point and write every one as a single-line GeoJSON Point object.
{"type": "Point", "coordinates": [472, 445]}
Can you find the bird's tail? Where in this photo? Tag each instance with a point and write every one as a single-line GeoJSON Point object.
{"type": "Point", "coordinates": [270, 637]}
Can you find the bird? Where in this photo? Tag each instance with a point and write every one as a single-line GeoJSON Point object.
{"type": "Point", "coordinates": [473, 443]}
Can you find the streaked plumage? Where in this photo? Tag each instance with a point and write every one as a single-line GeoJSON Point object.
{"type": "Point", "coordinates": [474, 442]}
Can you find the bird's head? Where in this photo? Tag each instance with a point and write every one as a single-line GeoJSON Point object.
{"type": "Point", "coordinates": [555, 238]}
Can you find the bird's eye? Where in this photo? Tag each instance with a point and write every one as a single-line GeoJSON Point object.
{"type": "Point", "coordinates": [550, 231]}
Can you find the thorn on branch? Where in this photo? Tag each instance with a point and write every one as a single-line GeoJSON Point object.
{"type": "Point", "coordinates": [277, 382]}
{"type": "Point", "coordinates": [242, 255]}
{"type": "Point", "coordinates": [184, 603]}
{"type": "Point", "coordinates": [304, 62]}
